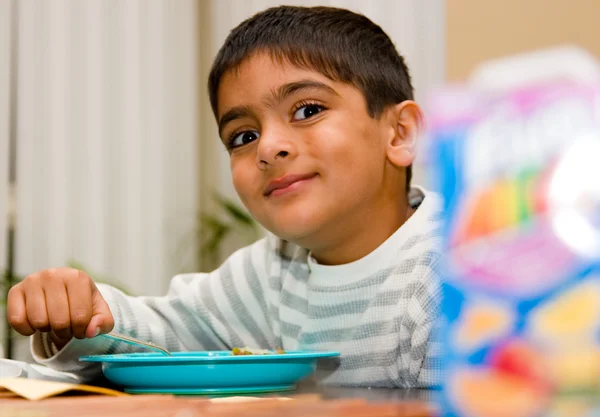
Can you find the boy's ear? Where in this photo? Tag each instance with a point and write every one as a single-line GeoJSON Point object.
{"type": "Point", "coordinates": [408, 124]}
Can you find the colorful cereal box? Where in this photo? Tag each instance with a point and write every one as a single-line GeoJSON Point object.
{"type": "Point", "coordinates": [519, 171]}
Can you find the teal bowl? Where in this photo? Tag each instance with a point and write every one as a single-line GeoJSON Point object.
{"type": "Point", "coordinates": [213, 372]}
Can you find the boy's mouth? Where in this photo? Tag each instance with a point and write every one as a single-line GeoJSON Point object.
{"type": "Point", "coordinates": [280, 184]}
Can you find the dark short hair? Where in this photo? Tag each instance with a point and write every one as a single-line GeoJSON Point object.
{"type": "Point", "coordinates": [340, 44]}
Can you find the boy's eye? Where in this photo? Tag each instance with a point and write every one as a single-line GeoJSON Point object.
{"type": "Point", "coordinates": [243, 138]}
{"type": "Point", "coordinates": [306, 111]}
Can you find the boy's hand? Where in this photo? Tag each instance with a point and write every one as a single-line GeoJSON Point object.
{"type": "Point", "coordinates": [62, 301]}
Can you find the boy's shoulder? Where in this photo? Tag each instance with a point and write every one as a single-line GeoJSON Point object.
{"type": "Point", "coordinates": [422, 233]}
{"type": "Point", "coordinates": [419, 244]}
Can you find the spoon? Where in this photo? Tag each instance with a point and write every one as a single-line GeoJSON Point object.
{"type": "Point", "coordinates": [135, 342]}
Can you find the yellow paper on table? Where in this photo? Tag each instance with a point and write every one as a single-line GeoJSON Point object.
{"type": "Point", "coordinates": [36, 389]}
{"type": "Point", "coordinates": [242, 399]}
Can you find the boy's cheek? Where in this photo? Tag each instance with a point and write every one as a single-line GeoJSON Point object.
{"type": "Point", "coordinates": [247, 189]}
{"type": "Point", "coordinates": [242, 193]}
{"type": "Point", "coordinates": [242, 177]}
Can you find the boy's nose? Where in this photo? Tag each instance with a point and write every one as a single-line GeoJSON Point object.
{"type": "Point", "coordinates": [274, 148]}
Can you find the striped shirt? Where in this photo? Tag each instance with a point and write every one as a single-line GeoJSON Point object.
{"type": "Point", "coordinates": [378, 311]}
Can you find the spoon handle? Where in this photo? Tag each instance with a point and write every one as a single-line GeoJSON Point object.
{"type": "Point", "coordinates": [135, 342]}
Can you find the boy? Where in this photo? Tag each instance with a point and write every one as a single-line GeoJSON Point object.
{"type": "Point", "coordinates": [315, 108]}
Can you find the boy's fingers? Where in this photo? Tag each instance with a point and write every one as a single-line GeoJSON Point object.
{"type": "Point", "coordinates": [17, 313]}
{"type": "Point", "coordinates": [79, 292]}
{"type": "Point", "coordinates": [57, 307]}
{"type": "Point", "coordinates": [102, 320]}
{"type": "Point", "coordinates": [100, 324]}
{"type": "Point", "coordinates": [35, 306]}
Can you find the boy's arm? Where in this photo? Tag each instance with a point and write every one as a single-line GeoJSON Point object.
{"type": "Point", "coordinates": [211, 311]}
{"type": "Point", "coordinates": [430, 374]}
{"type": "Point", "coordinates": [420, 353]}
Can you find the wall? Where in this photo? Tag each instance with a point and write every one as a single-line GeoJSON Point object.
{"type": "Point", "coordinates": [479, 30]}
{"type": "Point", "coordinates": [106, 132]}
{"type": "Point", "coordinates": [106, 137]}
{"type": "Point", "coordinates": [5, 12]}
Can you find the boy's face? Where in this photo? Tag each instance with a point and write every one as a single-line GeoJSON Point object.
{"type": "Point", "coordinates": [307, 160]}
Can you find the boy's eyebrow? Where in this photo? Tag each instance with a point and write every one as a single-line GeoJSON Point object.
{"type": "Point", "coordinates": [233, 114]}
{"type": "Point", "coordinates": [286, 90]}
{"type": "Point", "coordinates": [277, 96]}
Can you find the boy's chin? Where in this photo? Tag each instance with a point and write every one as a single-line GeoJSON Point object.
{"type": "Point", "coordinates": [299, 233]}
{"type": "Point", "coordinates": [292, 234]}
{"type": "Point", "coordinates": [301, 224]}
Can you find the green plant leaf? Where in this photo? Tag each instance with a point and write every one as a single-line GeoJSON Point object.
{"type": "Point", "coordinates": [211, 222]}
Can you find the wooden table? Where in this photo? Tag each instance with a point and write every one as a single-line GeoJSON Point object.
{"type": "Point", "coordinates": [309, 401]}
{"type": "Point", "coordinates": [370, 394]}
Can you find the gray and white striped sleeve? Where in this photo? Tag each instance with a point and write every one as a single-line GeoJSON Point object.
{"type": "Point", "coordinates": [420, 361]}
{"type": "Point", "coordinates": [203, 311]}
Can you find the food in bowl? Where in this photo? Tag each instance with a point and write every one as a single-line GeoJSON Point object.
{"type": "Point", "coordinates": [251, 351]}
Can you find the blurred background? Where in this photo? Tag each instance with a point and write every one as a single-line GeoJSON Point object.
{"type": "Point", "coordinates": [109, 154]}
